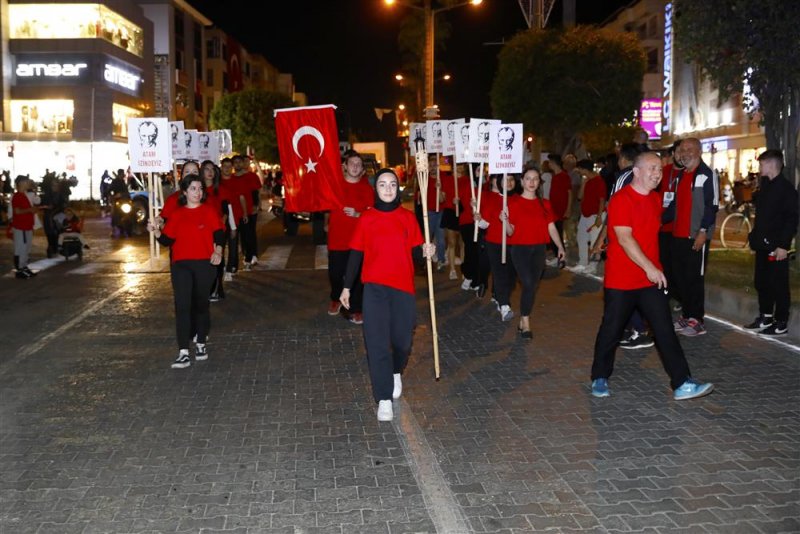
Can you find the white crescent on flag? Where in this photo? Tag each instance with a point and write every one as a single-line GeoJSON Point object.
{"type": "Point", "coordinates": [311, 166]}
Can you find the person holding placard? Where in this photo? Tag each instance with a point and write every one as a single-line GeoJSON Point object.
{"type": "Point", "coordinates": [455, 249]}
{"type": "Point", "coordinates": [236, 207]}
{"type": "Point", "coordinates": [211, 177]}
{"type": "Point", "coordinates": [384, 238]}
{"type": "Point", "coordinates": [489, 219]}
{"type": "Point", "coordinates": [195, 236]}
{"type": "Point", "coordinates": [475, 267]}
{"type": "Point", "coordinates": [531, 226]}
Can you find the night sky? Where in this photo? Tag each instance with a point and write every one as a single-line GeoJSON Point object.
{"type": "Point", "coordinates": [345, 52]}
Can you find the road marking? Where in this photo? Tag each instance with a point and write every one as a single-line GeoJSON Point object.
{"type": "Point", "coordinates": [446, 514]}
{"type": "Point", "coordinates": [274, 258]}
{"type": "Point", "coordinates": [321, 257]}
{"type": "Point", "coordinates": [33, 348]}
{"type": "Point", "coordinates": [40, 265]}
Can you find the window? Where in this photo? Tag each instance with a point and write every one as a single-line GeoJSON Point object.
{"type": "Point", "coordinates": [50, 116]}
{"type": "Point", "coordinates": [179, 60]}
{"type": "Point", "coordinates": [652, 27]}
{"type": "Point", "coordinates": [75, 21]}
{"type": "Point", "coordinates": [213, 48]}
{"type": "Point", "coordinates": [121, 114]}
{"type": "Point", "coordinates": [652, 61]}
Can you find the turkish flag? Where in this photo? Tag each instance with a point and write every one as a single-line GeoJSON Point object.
{"type": "Point", "coordinates": [308, 142]}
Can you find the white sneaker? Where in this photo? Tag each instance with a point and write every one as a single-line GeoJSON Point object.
{"type": "Point", "coordinates": [552, 262]}
{"type": "Point", "coordinates": [458, 260]}
{"type": "Point", "coordinates": [466, 284]}
{"type": "Point", "coordinates": [398, 386]}
{"type": "Point", "coordinates": [253, 261]}
{"type": "Point", "coordinates": [385, 412]}
{"type": "Point", "coordinates": [578, 268]}
{"type": "Point", "coordinates": [227, 277]}
{"type": "Point", "coordinates": [506, 313]}
{"type": "Point", "coordinates": [453, 275]}
{"type": "Point", "coordinates": [246, 266]}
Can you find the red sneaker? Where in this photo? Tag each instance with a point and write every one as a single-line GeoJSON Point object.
{"type": "Point", "coordinates": [356, 318]}
{"type": "Point", "coordinates": [334, 307]}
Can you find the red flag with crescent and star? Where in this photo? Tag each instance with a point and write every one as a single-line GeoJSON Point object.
{"type": "Point", "coordinates": [308, 143]}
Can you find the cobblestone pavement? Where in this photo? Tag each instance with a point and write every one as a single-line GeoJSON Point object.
{"type": "Point", "coordinates": [277, 432]}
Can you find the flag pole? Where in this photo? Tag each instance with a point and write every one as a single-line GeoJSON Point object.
{"type": "Point", "coordinates": [455, 186]}
{"type": "Point", "coordinates": [472, 194]}
{"type": "Point", "coordinates": [505, 219]}
{"type": "Point", "coordinates": [438, 179]}
{"type": "Point", "coordinates": [422, 179]}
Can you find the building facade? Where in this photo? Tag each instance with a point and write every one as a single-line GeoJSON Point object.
{"type": "Point", "coordinates": [689, 103]}
{"type": "Point", "coordinates": [74, 73]}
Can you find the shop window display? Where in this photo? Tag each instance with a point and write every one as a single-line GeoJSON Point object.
{"type": "Point", "coordinates": [42, 116]}
{"type": "Point", "coordinates": [75, 21]}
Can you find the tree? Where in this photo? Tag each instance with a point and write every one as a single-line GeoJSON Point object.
{"type": "Point", "coordinates": [248, 115]}
{"type": "Point", "coordinates": [757, 42]}
{"type": "Point", "coordinates": [562, 82]}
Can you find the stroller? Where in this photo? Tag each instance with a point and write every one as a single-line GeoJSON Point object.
{"type": "Point", "coordinates": [70, 241]}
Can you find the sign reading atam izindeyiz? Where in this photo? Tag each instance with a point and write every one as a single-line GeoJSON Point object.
{"type": "Point", "coordinates": [149, 145]}
{"type": "Point", "coordinates": [505, 148]}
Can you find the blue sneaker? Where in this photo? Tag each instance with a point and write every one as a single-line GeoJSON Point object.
{"type": "Point", "coordinates": [600, 387]}
{"type": "Point", "coordinates": [692, 389]}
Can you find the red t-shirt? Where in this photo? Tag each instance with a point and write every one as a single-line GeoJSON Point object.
{"type": "Point", "coordinates": [341, 227]}
{"type": "Point", "coordinates": [669, 179]}
{"type": "Point", "coordinates": [431, 196]}
{"type": "Point", "coordinates": [193, 231]}
{"type": "Point", "coordinates": [228, 191]}
{"type": "Point", "coordinates": [530, 218]}
{"type": "Point", "coordinates": [21, 221]}
{"type": "Point", "coordinates": [683, 205]}
{"type": "Point", "coordinates": [386, 239]}
{"type": "Point", "coordinates": [560, 187]}
{"type": "Point", "coordinates": [448, 188]}
{"type": "Point", "coordinates": [170, 205]}
{"type": "Point", "coordinates": [214, 200]}
{"type": "Point", "coordinates": [491, 206]}
{"type": "Point", "coordinates": [465, 196]}
{"type": "Point", "coordinates": [642, 213]}
{"type": "Point", "coordinates": [593, 191]}
{"type": "Point", "coordinates": [247, 183]}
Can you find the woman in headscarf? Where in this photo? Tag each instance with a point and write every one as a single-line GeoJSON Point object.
{"type": "Point", "coordinates": [384, 238]}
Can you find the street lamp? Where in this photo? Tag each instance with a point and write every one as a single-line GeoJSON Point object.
{"type": "Point", "coordinates": [429, 14]}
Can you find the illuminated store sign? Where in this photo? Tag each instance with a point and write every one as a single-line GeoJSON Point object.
{"type": "Point", "coordinates": [667, 96]}
{"type": "Point", "coordinates": [117, 76]}
{"type": "Point", "coordinates": [650, 117]}
{"type": "Point", "coordinates": [50, 70]}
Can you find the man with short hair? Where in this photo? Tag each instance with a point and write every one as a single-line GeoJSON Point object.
{"type": "Point", "coordinates": [249, 185]}
{"type": "Point", "coordinates": [357, 197]}
{"type": "Point", "coordinates": [693, 213]}
{"type": "Point", "coordinates": [23, 213]}
{"type": "Point", "coordinates": [773, 231]}
{"type": "Point", "coordinates": [560, 193]}
{"type": "Point", "coordinates": [634, 280]}
{"type": "Point", "coordinates": [592, 196]}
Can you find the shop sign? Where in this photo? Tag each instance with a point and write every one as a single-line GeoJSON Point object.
{"type": "Point", "coordinates": [667, 95]}
{"type": "Point", "coordinates": [50, 70]}
{"type": "Point", "coordinates": [650, 117]}
{"type": "Point", "coordinates": [117, 76]}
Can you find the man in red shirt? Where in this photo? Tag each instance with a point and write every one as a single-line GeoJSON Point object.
{"type": "Point", "coordinates": [592, 195]}
{"type": "Point", "coordinates": [22, 223]}
{"type": "Point", "coordinates": [634, 279]}
{"type": "Point", "coordinates": [249, 185]}
{"type": "Point", "coordinates": [230, 193]}
{"type": "Point", "coordinates": [560, 192]}
{"type": "Point", "coordinates": [358, 196]}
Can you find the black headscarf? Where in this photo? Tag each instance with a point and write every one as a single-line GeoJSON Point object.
{"type": "Point", "coordinates": [380, 205]}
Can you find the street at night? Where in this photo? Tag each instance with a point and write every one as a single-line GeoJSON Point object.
{"type": "Point", "coordinates": [276, 432]}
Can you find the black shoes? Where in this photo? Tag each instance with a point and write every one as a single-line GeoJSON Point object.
{"type": "Point", "coordinates": [760, 322]}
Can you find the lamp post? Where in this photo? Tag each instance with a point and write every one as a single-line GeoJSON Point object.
{"type": "Point", "coordinates": [429, 13]}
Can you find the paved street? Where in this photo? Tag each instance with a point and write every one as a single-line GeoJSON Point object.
{"type": "Point", "coordinates": [277, 432]}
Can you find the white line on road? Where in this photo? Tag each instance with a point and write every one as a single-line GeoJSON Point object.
{"type": "Point", "coordinates": [446, 514]}
{"type": "Point", "coordinates": [275, 258]}
{"type": "Point", "coordinates": [42, 342]}
{"type": "Point", "coordinates": [321, 257]}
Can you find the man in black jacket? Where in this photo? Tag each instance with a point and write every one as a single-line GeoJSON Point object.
{"type": "Point", "coordinates": [775, 226]}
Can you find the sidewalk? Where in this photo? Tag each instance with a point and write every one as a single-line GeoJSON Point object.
{"type": "Point", "coordinates": [276, 432]}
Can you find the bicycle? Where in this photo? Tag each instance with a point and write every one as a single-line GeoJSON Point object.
{"type": "Point", "coordinates": [736, 227]}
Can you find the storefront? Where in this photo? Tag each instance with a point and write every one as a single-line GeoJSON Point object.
{"type": "Point", "coordinates": [68, 111]}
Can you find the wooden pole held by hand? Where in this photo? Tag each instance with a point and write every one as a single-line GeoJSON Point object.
{"type": "Point", "coordinates": [422, 178]}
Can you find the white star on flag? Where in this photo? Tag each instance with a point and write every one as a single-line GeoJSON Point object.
{"type": "Point", "coordinates": [311, 166]}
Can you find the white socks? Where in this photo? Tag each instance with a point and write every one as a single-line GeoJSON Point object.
{"type": "Point", "coordinates": [398, 386]}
